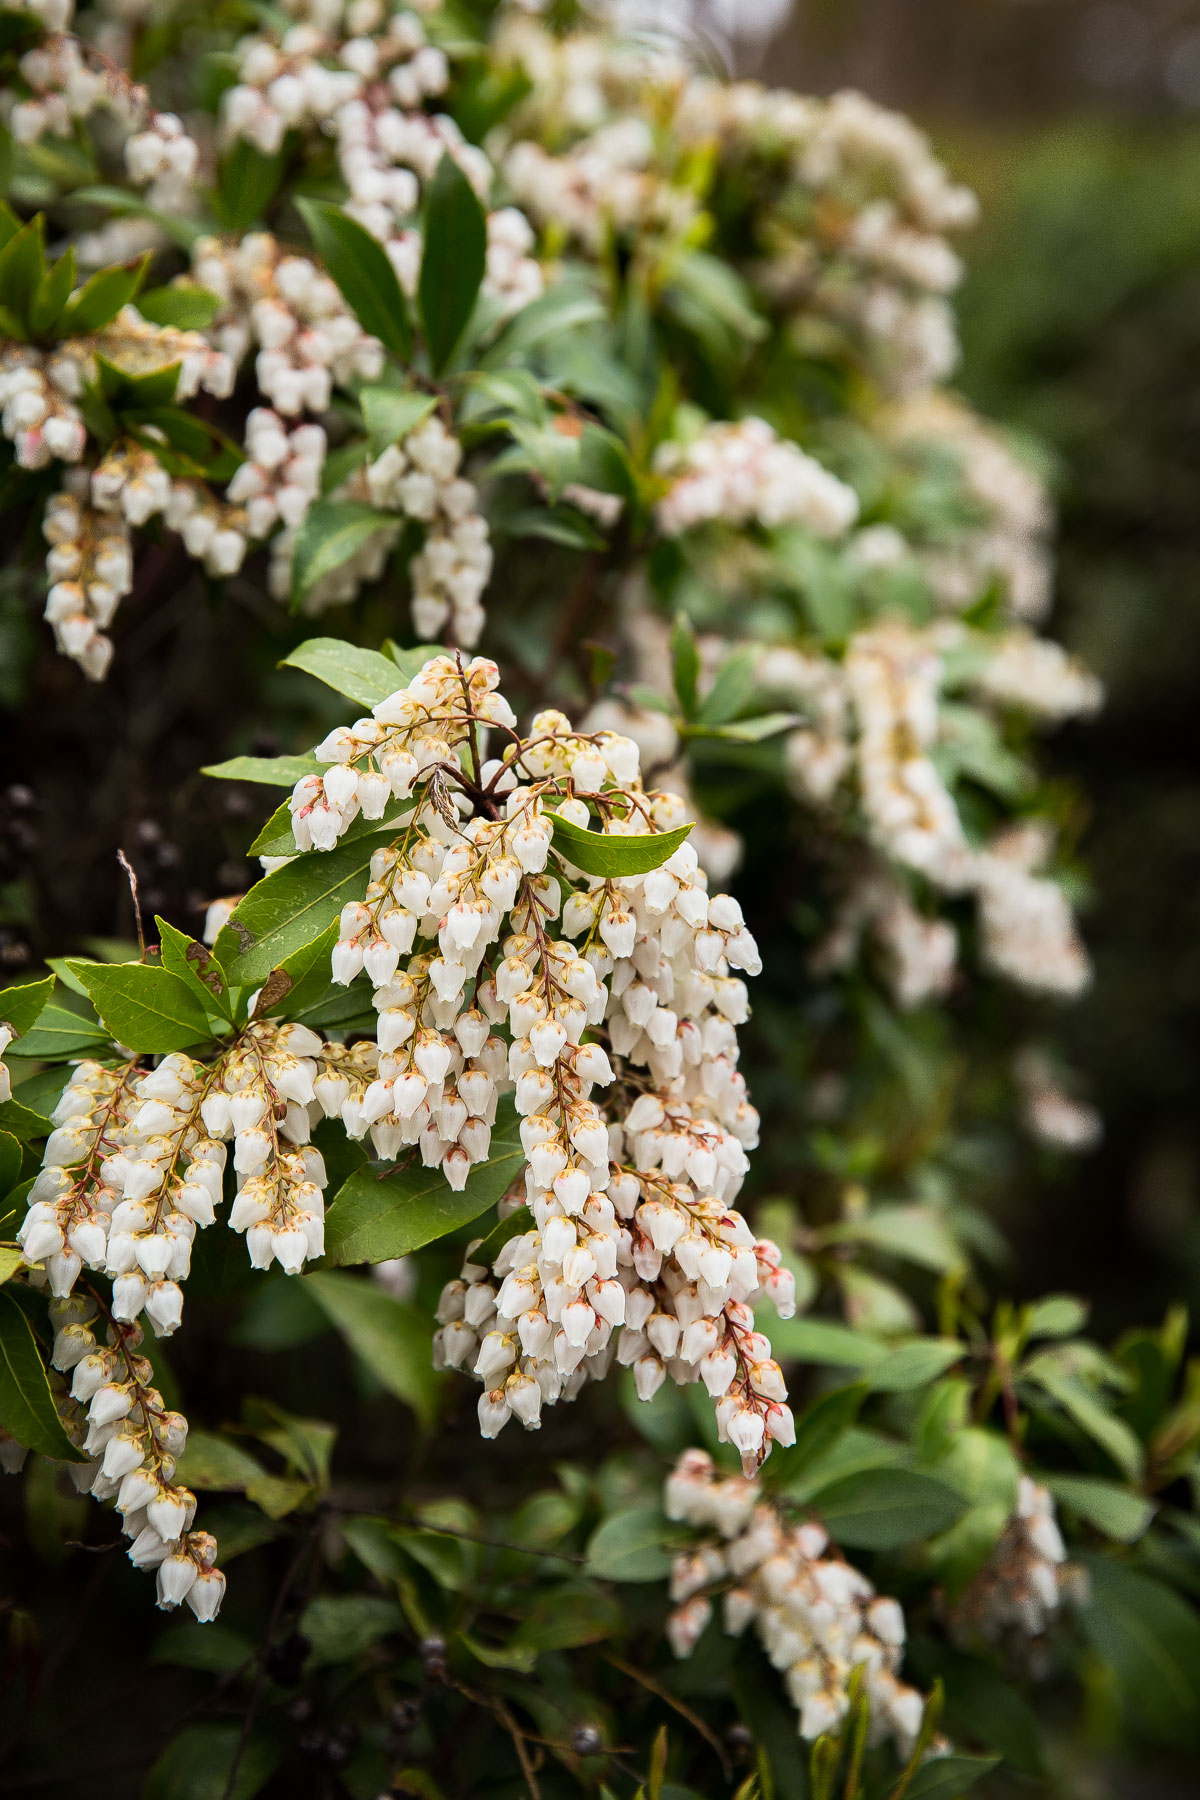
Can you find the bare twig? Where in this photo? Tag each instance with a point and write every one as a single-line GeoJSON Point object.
{"type": "Point", "coordinates": [137, 905]}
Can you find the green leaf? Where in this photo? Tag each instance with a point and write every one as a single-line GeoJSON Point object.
{"type": "Point", "coordinates": [382, 1213]}
{"type": "Point", "coordinates": [1150, 1639]}
{"type": "Point", "coordinates": [817, 1432]}
{"type": "Point", "coordinates": [302, 980]}
{"type": "Point", "coordinates": [362, 271]}
{"type": "Point", "coordinates": [453, 259]}
{"type": "Point", "coordinates": [211, 1462]}
{"type": "Point", "coordinates": [880, 1509]}
{"type": "Point", "coordinates": [1091, 1415]}
{"type": "Point", "coordinates": [27, 1409]}
{"type": "Point", "coordinates": [389, 1335]}
{"type": "Point", "coordinates": [21, 1006]}
{"type": "Point", "coordinates": [195, 964]}
{"type": "Point", "coordinates": [391, 413]}
{"type": "Point", "coordinates": [569, 1614]}
{"type": "Point", "coordinates": [1057, 1316]}
{"type": "Point", "coordinates": [11, 1258]}
{"type": "Point", "coordinates": [606, 853]}
{"type": "Point", "coordinates": [293, 906]}
{"type": "Point", "coordinates": [60, 1033]}
{"type": "Point", "coordinates": [915, 1364]}
{"type": "Point", "coordinates": [333, 531]}
{"type": "Point", "coordinates": [342, 1627]}
{"type": "Point", "coordinates": [685, 664]}
{"type": "Point", "coordinates": [54, 290]}
{"type": "Point", "coordinates": [564, 310]}
{"type": "Point", "coordinates": [101, 297]}
{"type": "Point", "coordinates": [141, 393]}
{"type": "Point", "coordinates": [148, 1010]}
{"type": "Point", "coordinates": [10, 1166]}
{"type": "Point", "coordinates": [185, 305]}
{"type": "Point", "coordinates": [1111, 1509]}
{"type": "Point", "coordinates": [732, 688]}
{"type": "Point", "coordinates": [946, 1777]}
{"type": "Point", "coordinates": [630, 1545]}
{"type": "Point", "coordinates": [21, 268]}
{"type": "Point", "coordinates": [197, 1765]}
{"type": "Point", "coordinates": [362, 675]}
{"type": "Point", "coordinates": [499, 1656]}
{"type": "Point", "coordinates": [271, 771]}
{"type": "Point", "coordinates": [247, 182]}
{"type": "Point", "coordinates": [825, 1341]}
{"type": "Point", "coordinates": [215, 1649]}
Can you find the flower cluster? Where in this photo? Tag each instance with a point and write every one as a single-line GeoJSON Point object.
{"type": "Point", "coordinates": [878, 714]}
{"type": "Point", "coordinates": [281, 476]}
{"type": "Point", "coordinates": [566, 990]}
{"type": "Point", "coordinates": [419, 476]}
{"type": "Point", "coordinates": [136, 1161]}
{"type": "Point", "coordinates": [851, 210]}
{"type": "Point", "coordinates": [288, 310]}
{"type": "Point", "coordinates": [819, 1618]}
{"type": "Point", "coordinates": [744, 474]}
{"type": "Point", "coordinates": [1020, 1592]}
{"type": "Point", "coordinates": [132, 1443]}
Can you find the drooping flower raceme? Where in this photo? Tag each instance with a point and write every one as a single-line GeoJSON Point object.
{"type": "Point", "coordinates": [818, 1617]}
{"type": "Point", "coordinates": [606, 1003]}
{"type": "Point", "coordinates": [744, 474]}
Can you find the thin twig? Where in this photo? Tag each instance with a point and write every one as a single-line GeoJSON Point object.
{"type": "Point", "coordinates": [137, 905]}
{"type": "Point", "coordinates": [515, 1733]}
{"type": "Point", "coordinates": [673, 1701]}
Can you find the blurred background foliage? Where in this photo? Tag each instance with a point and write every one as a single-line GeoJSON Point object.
{"type": "Point", "coordinates": [1081, 325]}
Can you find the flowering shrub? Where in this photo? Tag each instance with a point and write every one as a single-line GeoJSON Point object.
{"type": "Point", "coordinates": [499, 332]}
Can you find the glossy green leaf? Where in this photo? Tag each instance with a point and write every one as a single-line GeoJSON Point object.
{"type": "Point", "coordinates": [1088, 1411]}
{"type": "Point", "coordinates": [59, 1033]}
{"type": "Point", "coordinates": [1150, 1639]}
{"type": "Point", "coordinates": [802, 1339]}
{"type": "Point", "coordinates": [1113, 1510]}
{"type": "Point", "coordinates": [198, 1764]}
{"type": "Point", "coordinates": [342, 1627]}
{"type": "Point", "coordinates": [247, 182]}
{"type": "Point", "coordinates": [364, 676]}
{"type": "Point", "coordinates": [148, 1010]}
{"type": "Point", "coordinates": [391, 413]}
{"type": "Point", "coordinates": [102, 296]}
{"type": "Point", "coordinates": [212, 1462]}
{"type": "Point", "coordinates": [21, 268]}
{"type": "Point", "coordinates": [10, 1166]}
{"type": "Point", "coordinates": [291, 907]}
{"type": "Point", "coordinates": [333, 531]}
{"type": "Point", "coordinates": [880, 1509]}
{"type": "Point", "coordinates": [21, 1006]}
{"type": "Point", "coordinates": [630, 1545]}
{"type": "Point", "coordinates": [817, 1431]}
{"type": "Point", "coordinates": [392, 1338]}
{"type": "Point", "coordinates": [946, 1777]}
{"type": "Point", "coordinates": [359, 265]}
{"type": "Point", "coordinates": [565, 309]}
{"type": "Point", "coordinates": [607, 854]}
{"type": "Point", "coordinates": [1058, 1315]}
{"type": "Point", "coordinates": [271, 771]}
{"type": "Point", "coordinates": [384, 1212]}
{"type": "Point", "coordinates": [53, 292]}
{"type": "Point", "coordinates": [27, 1410]}
{"type": "Point", "coordinates": [185, 305]}
{"type": "Point", "coordinates": [914, 1365]}
{"type": "Point", "coordinates": [453, 258]}
{"type": "Point", "coordinates": [195, 964]}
